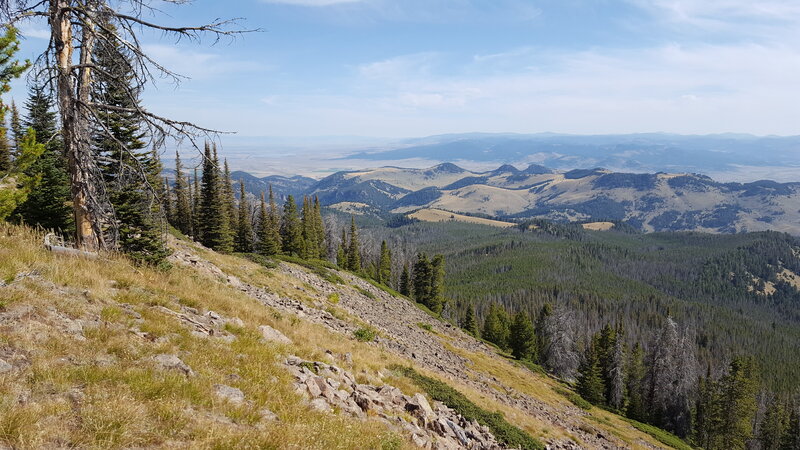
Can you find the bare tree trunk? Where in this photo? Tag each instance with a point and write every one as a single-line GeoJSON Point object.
{"type": "Point", "coordinates": [75, 122]}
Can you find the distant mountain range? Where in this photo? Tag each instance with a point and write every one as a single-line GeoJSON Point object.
{"type": "Point", "coordinates": [647, 201]}
{"type": "Point", "coordinates": [732, 156]}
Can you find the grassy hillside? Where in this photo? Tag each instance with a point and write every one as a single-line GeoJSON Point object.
{"type": "Point", "coordinates": [84, 345]}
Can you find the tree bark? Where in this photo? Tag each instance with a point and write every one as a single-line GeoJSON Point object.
{"type": "Point", "coordinates": [75, 124]}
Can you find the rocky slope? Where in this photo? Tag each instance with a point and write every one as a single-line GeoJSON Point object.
{"type": "Point", "coordinates": [650, 202]}
{"type": "Point", "coordinates": [221, 352]}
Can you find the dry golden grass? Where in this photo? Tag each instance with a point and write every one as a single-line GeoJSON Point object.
{"type": "Point", "coordinates": [97, 389]}
{"type": "Point", "coordinates": [438, 215]}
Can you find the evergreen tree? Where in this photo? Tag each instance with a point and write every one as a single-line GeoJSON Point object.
{"type": "Point", "coordinates": [268, 237]}
{"type": "Point", "coordinates": [633, 384]}
{"type": "Point", "coordinates": [197, 208]}
{"type": "Point", "coordinates": [292, 229]}
{"type": "Point", "coordinates": [17, 131]}
{"type": "Point", "coordinates": [10, 68]}
{"type": "Point", "coordinates": [166, 201]}
{"type": "Point", "coordinates": [541, 337]}
{"type": "Point", "coordinates": [405, 281]}
{"type": "Point", "coordinates": [496, 326]}
{"type": "Point", "coordinates": [274, 224]}
{"type": "Point", "coordinates": [737, 404]}
{"type": "Point", "coordinates": [319, 226]}
{"type": "Point", "coordinates": [229, 201]}
{"type": "Point", "coordinates": [5, 148]}
{"type": "Point", "coordinates": [244, 230]}
{"type": "Point", "coordinates": [213, 216]}
{"type": "Point", "coordinates": [341, 252]}
{"type": "Point", "coordinates": [773, 427]}
{"type": "Point", "coordinates": [470, 323]}
{"type": "Point", "coordinates": [522, 338]}
{"type": "Point", "coordinates": [423, 271]}
{"type": "Point", "coordinates": [12, 196]}
{"type": "Point", "coordinates": [791, 437]}
{"type": "Point", "coordinates": [385, 265]}
{"type": "Point", "coordinates": [705, 413]}
{"type": "Point", "coordinates": [49, 205]}
{"type": "Point", "coordinates": [309, 225]}
{"type": "Point", "coordinates": [436, 300]}
{"type": "Point", "coordinates": [183, 206]}
{"type": "Point", "coordinates": [131, 172]}
{"type": "Point", "coordinates": [353, 248]}
{"type": "Point", "coordinates": [591, 385]}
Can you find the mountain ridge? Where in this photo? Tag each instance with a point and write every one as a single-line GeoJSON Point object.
{"type": "Point", "coordinates": [647, 201]}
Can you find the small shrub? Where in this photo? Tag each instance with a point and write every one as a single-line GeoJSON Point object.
{"type": "Point", "coordinates": [663, 436]}
{"type": "Point", "coordinates": [334, 298]}
{"type": "Point", "coordinates": [425, 326]}
{"type": "Point", "coordinates": [260, 259]}
{"type": "Point", "coordinates": [310, 366]}
{"type": "Point", "coordinates": [365, 334]}
{"type": "Point", "coordinates": [366, 293]}
{"type": "Point", "coordinates": [576, 399]}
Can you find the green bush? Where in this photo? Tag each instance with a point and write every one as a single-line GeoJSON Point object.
{"type": "Point", "coordinates": [665, 437]}
{"type": "Point", "coordinates": [366, 293]}
{"type": "Point", "coordinates": [334, 298]}
{"type": "Point", "coordinates": [576, 399]}
{"type": "Point", "coordinates": [365, 334]}
{"type": "Point", "coordinates": [259, 259]}
{"type": "Point", "coordinates": [316, 266]}
{"type": "Point", "coordinates": [507, 434]}
{"type": "Point", "coordinates": [425, 326]}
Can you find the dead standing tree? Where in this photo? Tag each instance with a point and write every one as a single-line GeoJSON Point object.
{"type": "Point", "coordinates": [77, 27]}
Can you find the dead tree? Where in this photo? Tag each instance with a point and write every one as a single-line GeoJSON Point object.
{"type": "Point", "coordinates": [77, 26]}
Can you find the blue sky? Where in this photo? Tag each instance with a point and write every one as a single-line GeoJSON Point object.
{"type": "Point", "coordinates": [402, 68]}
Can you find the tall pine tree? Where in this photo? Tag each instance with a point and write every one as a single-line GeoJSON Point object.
{"type": "Point", "coordinates": [292, 229]}
{"type": "Point", "coordinates": [213, 215]}
{"type": "Point", "coordinates": [50, 204]}
{"type": "Point", "coordinates": [129, 169]}
{"type": "Point", "coordinates": [385, 265]}
{"type": "Point", "coordinates": [183, 207]}
{"type": "Point", "coordinates": [353, 248]}
{"type": "Point", "coordinates": [244, 230]}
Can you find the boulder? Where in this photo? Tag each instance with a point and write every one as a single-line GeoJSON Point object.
{"type": "Point", "coordinates": [5, 367]}
{"type": "Point", "coordinates": [269, 334]}
{"type": "Point", "coordinates": [172, 362]}
{"type": "Point", "coordinates": [228, 393]}
{"type": "Point", "coordinates": [319, 404]}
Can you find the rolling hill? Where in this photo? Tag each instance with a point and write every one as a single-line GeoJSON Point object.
{"type": "Point", "coordinates": [649, 202]}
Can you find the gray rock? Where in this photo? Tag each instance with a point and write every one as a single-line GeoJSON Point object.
{"type": "Point", "coordinates": [5, 367]}
{"type": "Point", "coordinates": [172, 362]}
{"type": "Point", "coordinates": [268, 415]}
{"type": "Point", "coordinates": [270, 334]}
{"type": "Point", "coordinates": [319, 404]}
{"type": "Point", "coordinates": [229, 393]}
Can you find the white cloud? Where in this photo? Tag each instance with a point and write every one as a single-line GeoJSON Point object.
{"type": "Point", "coordinates": [30, 30]}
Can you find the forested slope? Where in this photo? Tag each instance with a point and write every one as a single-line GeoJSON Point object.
{"type": "Point", "coordinates": [736, 293]}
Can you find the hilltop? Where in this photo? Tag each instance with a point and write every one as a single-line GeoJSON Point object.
{"type": "Point", "coordinates": [223, 352]}
{"type": "Point", "coordinates": [646, 201]}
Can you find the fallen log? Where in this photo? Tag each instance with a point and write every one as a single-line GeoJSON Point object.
{"type": "Point", "coordinates": [59, 248]}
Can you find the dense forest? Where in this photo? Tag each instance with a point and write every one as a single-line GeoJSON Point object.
{"type": "Point", "coordinates": [705, 317]}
